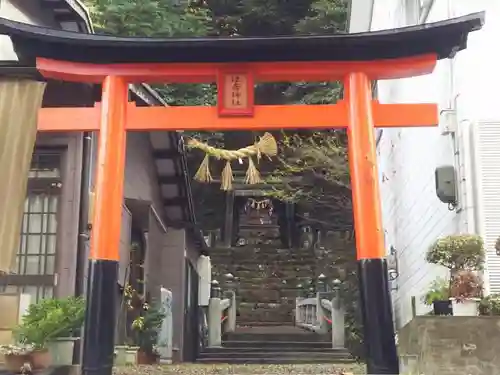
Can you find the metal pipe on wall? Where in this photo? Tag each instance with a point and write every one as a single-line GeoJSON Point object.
{"type": "Point", "coordinates": [83, 227]}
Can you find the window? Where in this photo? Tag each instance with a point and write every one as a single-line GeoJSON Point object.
{"type": "Point", "coordinates": [36, 258]}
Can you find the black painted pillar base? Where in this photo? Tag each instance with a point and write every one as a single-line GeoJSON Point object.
{"type": "Point", "coordinates": [376, 307]}
{"type": "Point", "coordinates": [100, 318]}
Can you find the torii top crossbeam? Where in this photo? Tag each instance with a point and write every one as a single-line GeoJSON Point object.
{"type": "Point", "coordinates": [235, 64]}
{"type": "Point", "coordinates": [350, 52]}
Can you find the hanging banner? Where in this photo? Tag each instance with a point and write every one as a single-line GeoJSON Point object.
{"type": "Point", "coordinates": [19, 105]}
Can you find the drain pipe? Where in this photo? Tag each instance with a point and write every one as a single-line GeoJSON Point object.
{"type": "Point", "coordinates": [83, 228]}
{"type": "Point", "coordinates": [425, 11]}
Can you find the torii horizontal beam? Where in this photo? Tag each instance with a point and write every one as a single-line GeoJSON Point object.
{"type": "Point", "coordinates": [266, 117]}
{"type": "Point", "coordinates": [295, 71]}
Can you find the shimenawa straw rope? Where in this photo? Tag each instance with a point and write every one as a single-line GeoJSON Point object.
{"type": "Point", "coordinates": [265, 146]}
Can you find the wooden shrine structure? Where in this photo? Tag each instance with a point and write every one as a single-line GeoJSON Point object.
{"type": "Point", "coordinates": [236, 64]}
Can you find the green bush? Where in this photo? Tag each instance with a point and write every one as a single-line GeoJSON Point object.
{"type": "Point", "coordinates": [147, 327]}
{"type": "Point", "coordinates": [439, 290]}
{"type": "Point", "coordinates": [458, 252]}
{"type": "Point", "coordinates": [490, 305]}
{"type": "Point", "coordinates": [49, 319]}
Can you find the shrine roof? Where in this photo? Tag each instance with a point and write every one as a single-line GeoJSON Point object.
{"type": "Point", "coordinates": [443, 38]}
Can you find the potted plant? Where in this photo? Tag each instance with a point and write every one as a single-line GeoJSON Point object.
{"type": "Point", "coordinates": [126, 354]}
{"type": "Point", "coordinates": [465, 293]}
{"type": "Point", "coordinates": [71, 313]}
{"type": "Point", "coordinates": [17, 357]}
{"type": "Point", "coordinates": [438, 296]}
{"type": "Point", "coordinates": [463, 255]}
{"type": "Point", "coordinates": [49, 326]}
{"type": "Point", "coordinates": [458, 252]}
{"type": "Point", "coordinates": [490, 305]}
{"type": "Point", "coordinates": [147, 328]}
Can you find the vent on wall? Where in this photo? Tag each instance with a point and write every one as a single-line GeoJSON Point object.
{"type": "Point", "coordinates": [487, 180]}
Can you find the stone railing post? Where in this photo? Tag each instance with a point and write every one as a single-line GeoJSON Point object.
{"type": "Point", "coordinates": [338, 317]}
{"type": "Point", "coordinates": [321, 312]}
{"type": "Point", "coordinates": [214, 316]}
{"type": "Point", "coordinates": [230, 323]}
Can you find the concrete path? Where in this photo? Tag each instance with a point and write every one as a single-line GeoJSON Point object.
{"type": "Point", "coordinates": [222, 369]}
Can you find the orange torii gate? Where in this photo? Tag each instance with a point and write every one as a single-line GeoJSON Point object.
{"type": "Point", "coordinates": [236, 64]}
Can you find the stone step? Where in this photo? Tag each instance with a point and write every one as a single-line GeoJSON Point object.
{"type": "Point", "coordinates": [282, 337]}
{"type": "Point", "coordinates": [257, 325]}
{"type": "Point", "coordinates": [269, 253]}
{"type": "Point", "coordinates": [266, 315]}
{"type": "Point", "coordinates": [250, 259]}
{"type": "Point", "coordinates": [283, 355]}
{"type": "Point", "coordinates": [273, 266]}
{"type": "Point", "coordinates": [278, 344]}
{"type": "Point", "coordinates": [275, 360]}
{"type": "Point", "coordinates": [266, 295]}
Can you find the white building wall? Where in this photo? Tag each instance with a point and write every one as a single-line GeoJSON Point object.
{"type": "Point", "coordinates": [413, 216]}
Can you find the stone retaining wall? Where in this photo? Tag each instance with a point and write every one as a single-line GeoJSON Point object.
{"type": "Point", "coordinates": [450, 345]}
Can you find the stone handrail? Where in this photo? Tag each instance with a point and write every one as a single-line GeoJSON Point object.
{"type": "Point", "coordinates": [221, 317]}
{"type": "Point", "coordinates": [322, 314]}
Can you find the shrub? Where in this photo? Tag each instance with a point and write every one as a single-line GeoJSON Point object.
{"type": "Point", "coordinates": [49, 319]}
{"type": "Point", "coordinates": [458, 252]}
{"type": "Point", "coordinates": [439, 290]}
{"type": "Point", "coordinates": [465, 285]}
{"type": "Point", "coordinates": [490, 305]}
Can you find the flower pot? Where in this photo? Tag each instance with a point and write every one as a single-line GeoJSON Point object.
{"type": "Point", "coordinates": [442, 307]}
{"type": "Point", "coordinates": [61, 350]}
{"type": "Point", "coordinates": [121, 355]}
{"type": "Point", "coordinates": [465, 307]}
{"type": "Point", "coordinates": [40, 359]}
{"type": "Point", "coordinates": [144, 358]}
{"type": "Point", "coordinates": [131, 355]}
{"type": "Point", "coordinates": [15, 362]}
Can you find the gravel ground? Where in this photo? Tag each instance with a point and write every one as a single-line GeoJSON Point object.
{"type": "Point", "coordinates": [198, 369]}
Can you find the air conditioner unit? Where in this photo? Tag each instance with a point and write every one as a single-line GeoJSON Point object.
{"type": "Point", "coordinates": [448, 121]}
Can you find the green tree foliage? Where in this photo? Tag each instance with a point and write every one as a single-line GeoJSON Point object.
{"type": "Point", "coordinates": [158, 18]}
{"type": "Point", "coordinates": [312, 169]}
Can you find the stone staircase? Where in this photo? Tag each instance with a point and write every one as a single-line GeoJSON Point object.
{"type": "Point", "coordinates": [275, 345]}
{"type": "Point", "coordinates": [267, 276]}
{"type": "Point", "coordinates": [267, 279]}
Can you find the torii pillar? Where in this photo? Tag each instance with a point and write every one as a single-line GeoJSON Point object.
{"type": "Point", "coordinates": [356, 59]}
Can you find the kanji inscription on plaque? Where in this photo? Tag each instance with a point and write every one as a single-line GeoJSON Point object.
{"type": "Point", "coordinates": [235, 94]}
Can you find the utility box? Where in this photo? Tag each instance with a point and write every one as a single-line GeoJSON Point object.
{"type": "Point", "coordinates": [446, 184]}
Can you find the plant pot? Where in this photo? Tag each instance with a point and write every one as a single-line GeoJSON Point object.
{"type": "Point", "coordinates": [40, 359]}
{"type": "Point", "coordinates": [15, 362]}
{"type": "Point", "coordinates": [121, 355]}
{"type": "Point", "coordinates": [442, 307]}
{"type": "Point", "coordinates": [466, 307]}
{"type": "Point", "coordinates": [144, 358]}
{"type": "Point", "coordinates": [131, 355]}
{"type": "Point", "coordinates": [61, 350]}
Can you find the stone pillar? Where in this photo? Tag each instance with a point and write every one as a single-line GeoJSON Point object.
{"type": "Point", "coordinates": [338, 318]}
{"type": "Point", "coordinates": [20, 101]}
{"type": "Point", "coordinates": [214, 323]}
